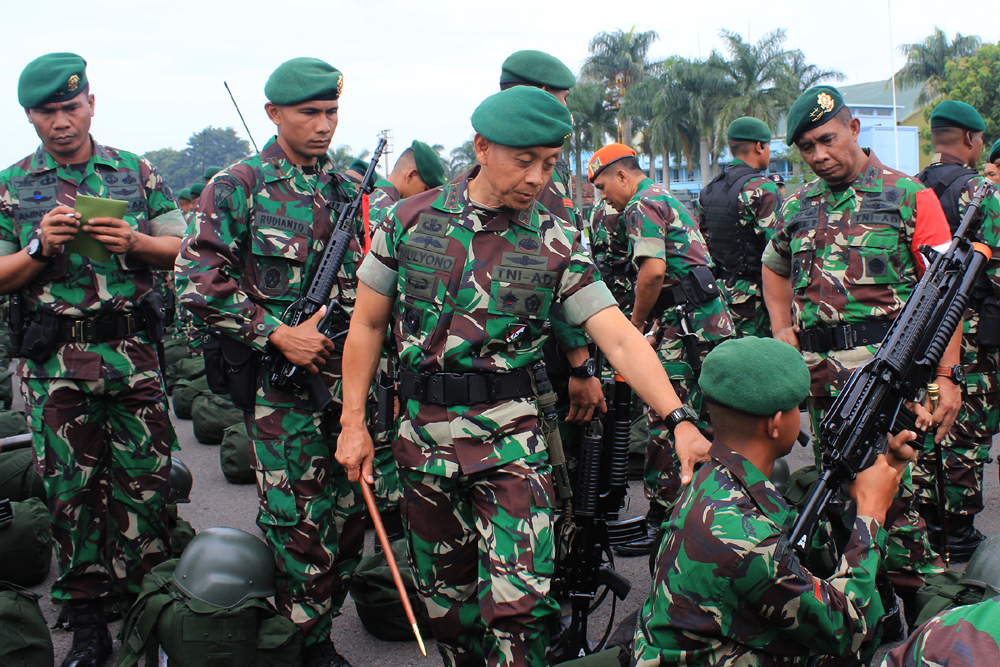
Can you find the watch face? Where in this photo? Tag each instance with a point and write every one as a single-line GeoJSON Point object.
{"type": "Point", "coordinates": [591, 367]}
{"type": "Point", "coordinates": [958, 374]}
{"type": "Point", "coordinates": [33, 246]}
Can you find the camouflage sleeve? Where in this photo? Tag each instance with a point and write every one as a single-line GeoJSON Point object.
{"type": "Point", "coordinates": [990, 230]}
{"type": "Point", "coordinates": [380, 270]}
{"type": "Point", "coordinates": [964, 636]}
{"type": "Point", "coordinates": [9, 242]}
{"type": "Point", "coordinates": [165, 219]}
{"type": "Point", "coordinates": [760, 206]}
{"type": "Point", "coordinates": [778, 253]}
{"type": "Point", "coordinates": [211, 260]}
{"type": "Point", "coordinates": [699, 217]}
{"type": "Point", "coordinates": [582, 293]}
{"type": "Point", "coordinates": [830, 616]}
{"type": "Point", "coordinates": [645, 234]}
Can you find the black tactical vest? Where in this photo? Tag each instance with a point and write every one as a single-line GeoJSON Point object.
{"type": "Point", "coordinates": [735, 248]}
{"type": "Point", "coordinates": [947, 182]}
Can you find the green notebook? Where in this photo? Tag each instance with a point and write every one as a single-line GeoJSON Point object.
{"type": "Point", "coordinates": [94, 207]}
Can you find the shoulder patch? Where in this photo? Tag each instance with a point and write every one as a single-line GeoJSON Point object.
{"type": "Point", "coordinates": [223, 187]}
{"type": "Point", "coordinates": [430, 223]}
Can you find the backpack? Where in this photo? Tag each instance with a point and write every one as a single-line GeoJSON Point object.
{"type": "Point", "coordinates": [26, 543]}
{"type": "Point", "coordinates": [189, 368]}
{"type": "Point", "coordinates": [185, 392]}
{"type": "Point", "coordinates": [18, 478]}
{"type": "Point", "coordinates": [12, 422]}
{"type": "Point", "coordinates": [24, 638]}
{"type": "Point", "coordinates": [377, 600]}
{"type": "Point", "coordinates": [211, 416]}
{"type": "Point", "coordinates": [181, 531]}
{"type": "Point", "coordinates": [947, 590]}
{"type": "Point", "coordinates": [234, 455]}
{"type": "Point", "coordinates": [193, 633]}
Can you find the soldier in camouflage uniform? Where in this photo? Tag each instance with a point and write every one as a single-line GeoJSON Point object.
{"type": "Point", "coordinates": [92, 387]}
{"type": "Point", "coordinates": [839, 268]}
{"type": "Point", "coordinates": [957, 134]}
{"type": "Point", "coordinates": [967, 636]}
{"type": "Point", "coordinates": [261, 229]}
{"type": "Point", "coordinates": [676, 292]}
{"type": "Point", "coordinates": [736, 213]}
{"type": "Point", "coordinates": [609, 247]}
{"type": "Point", "coordinates": [728, 588]}
{"type": "Point", "coordinates": [469, 323]}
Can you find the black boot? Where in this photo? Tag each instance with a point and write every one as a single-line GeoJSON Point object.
{"type": "Point", "coordinates": [963, 537]}
{"type": "Point", "coordinates": [91, 638]}
{"type": "Point", "coordinates": [931, 514]}
{"type": "Point", "coordinates": [645, 545]}
{"type": "Point", "coordinates": [324, 654]}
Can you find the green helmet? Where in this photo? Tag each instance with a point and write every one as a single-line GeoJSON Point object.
{"type": "Point", "coordinates": [984, 566]}
{"type": "Point", "coordinates": [780, 475]}
{"type": "Point", "coordinates": [225, 567]}
{"type": "Point", "coordinates": [180, 482]}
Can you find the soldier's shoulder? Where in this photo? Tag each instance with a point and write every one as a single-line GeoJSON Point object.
{"type": "Point", "coordinates": [19, 168]}
{"type": "Point", "coordinates": [408, 210]}
{"type": "Point", "coordinates": [892, 178]}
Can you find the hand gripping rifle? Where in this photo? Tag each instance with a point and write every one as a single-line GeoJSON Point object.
{"type": "Point", "coordinates": [284, 374]}
{"type": "Point", "coordinates": [871, 404]}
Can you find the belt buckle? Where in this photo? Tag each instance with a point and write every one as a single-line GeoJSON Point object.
{"type": "Point", "coordinates": [76, 330]}
{"type": "Point", "coordinates": [434, 391]}
{"type": "Point", "coordinates": [129, 324]}
{"type": "Point", "coordinates": [455, 388]}
{"type": "Point", "coordinates": [844, 337]}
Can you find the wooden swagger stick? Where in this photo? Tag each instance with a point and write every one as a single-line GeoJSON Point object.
{"type": "Point", "coordinates": [391, 559]}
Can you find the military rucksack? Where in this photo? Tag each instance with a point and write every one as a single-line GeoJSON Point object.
{"type": "Point", "coordinates": [211, 415]}
{"type": "Point", "coordinates": [24, 638]}
{"type": "Point", "coordinates": [6, 389]}
{"type": "Point", "coordinates": [25, 542]}
{"type": "Point", "coordinates": [377, 600]}
{"type": "Point", "coordinates": [12, 422]}
{"type": "Point", "coordinates": [18, 478]}
{"type": "Point", "coordinates": [189, 368]}
{"type": "Point", "coordinates": [979, 582]}
{"type": "Point", "coordinates": [184, 394]}
{"type": "Point", "coordinates": [234, 455]}
{"type": "Point", "coordinates": [175, 349]}
{"type": "Point", "coordinates": [181, 531]}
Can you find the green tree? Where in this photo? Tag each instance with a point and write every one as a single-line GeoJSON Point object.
{"type": "Point", "coordinates": [462, 159]}
{"type": "Point", "coordinates": [211, 147]}
{"type": "Point", "coordinates": [799, 75]}
{"type": "Point", "coordinates": [926, 61]}
{"type": "Point", "coordinates": [975, 80]}
{"type": "Point", "coordinates": [593, 121]}
{"type": "Point", "coordinates": [343, 155]}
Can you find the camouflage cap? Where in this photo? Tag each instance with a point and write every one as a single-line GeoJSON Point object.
{"type": "Point", "coordinates": [995, 152]}
{"type": "Point", "coordinates": [429, 165]}
{"type": "Point", "coordinates": [521, 117]}
{"type": "Point", "coordinates": [748, 129]}
{"type": "Point", "coordinates": [303, 79]}
{"type": "Point", "coordinates": [536, 68]}
{"type": "Point", "coordinates": [54, 77]}
{"type": "Point", "coordinates": [814, 108]}
{"type": "Point", "coordinates": [184, 193]}
{"type": "Point", "coordinates": [197, 189]}
{"type": "Point", "coordinates": [758, 376]}
{"type": "Point", "coordinates": [605, 156]}
{"type": "Point", "coordinates": [211, 171]}
{"type": "Point", "coordinates": [951, 113]}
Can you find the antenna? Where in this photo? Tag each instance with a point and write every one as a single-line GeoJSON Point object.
{"type": "Point", "coordinates": [241, 116]}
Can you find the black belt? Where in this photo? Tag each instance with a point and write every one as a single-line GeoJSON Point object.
{"type": "Point", "coordinates": [844, 337]}
{"type": "Point", "coordinates": [99, 329]}
{"type": "Point", "coordinates": [464, 388]}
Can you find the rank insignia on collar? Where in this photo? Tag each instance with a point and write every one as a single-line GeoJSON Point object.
{"type": "Point", "coordinates": [515, 331]}
{"type": "Point", "coordinates": [73, 83]}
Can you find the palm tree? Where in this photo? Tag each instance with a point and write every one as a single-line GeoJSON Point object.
{"type": "Point", "coordinates": [926, 60]}
{"type": "Point", "coordinates": [593, 120]}
{"type": "Point", "coordinates": [462, 158]}
{"type": "Point", "coordinates": [618, 60]}
{"type": "Point", "coordinates": [343, 156]}
{"type": "Point", "coordinates": [756, 73]}
{"type": "Point", "coordinates": [800, 76]}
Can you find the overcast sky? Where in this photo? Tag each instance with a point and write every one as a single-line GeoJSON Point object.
{"type": "Point", "coordinates": [418, 68]}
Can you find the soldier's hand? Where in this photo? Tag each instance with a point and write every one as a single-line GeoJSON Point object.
{"type": "Point", "coordinates": [692, 448]}
{"type": "Point", "coordinates": [304, 345]}
{"type": "Point", "coordinates": [899, 453]}
{"type": "Point", "coordinates": [356, 451]}
{"type": "Point", "coordinates": [875, 487]}
{"type": "Point", "coordinates": [116, 235]}
{"type": "Point", "coordinates": [949, 403]}
{"type": "Point", "coordinates": [789, 335]}
{"type": "Point", "coordinates": [58, 227]}
{"type": "Point", "coordinates": [585, 396]}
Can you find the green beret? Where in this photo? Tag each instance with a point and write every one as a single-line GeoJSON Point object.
{"type": "Point", "coordinates": [523, 116]}
{"type": "Point", "coordinates": [957, 114]}
{"type": "Point", "coordinates": [55, 77]}
{"type": "Point", "coordinates": [184, 193]}
{"type": "Point", "coordinates": [758, 376]}
{"type": "Point", "coordinates": [303, 79]}
{"type": "Point", "coordinates": [995, 152]}
{"type": "Point", "coordinates": [359, 166]}
{"type": "Point", "coordinates": [197, 189]}
{"type": "Point", "coordinates": [748, 129]}
{"type": "Point", "coordinates": [814, 107]}
{"type": "Point", "coordinates": [536, 69]}
{"type": "Point", "coordinates": [429, 165]}
{"type": "Point", "coordinates": [211, 171]}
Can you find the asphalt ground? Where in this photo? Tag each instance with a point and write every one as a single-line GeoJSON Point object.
{"type": "Point", "coordinates": [215, 502]}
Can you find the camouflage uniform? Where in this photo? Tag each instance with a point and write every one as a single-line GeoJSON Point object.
{"type": "Point", "coordinates": [852, 258]}
{"type": "Point", "coordinates": [555, 198]}
{"type": "Point", "coordinates": [475, 286]}
{"type": "Point", "coordinates": [729, 590]}
{"type": "Point", "coordinates": [967, 445]}
{"type": "Point", "coordinates": [262, 226]}
{"type": "Point", "coordinates": [102, 437]}
{"type": "Point", "coordinates": [966, 636]}
{"type": "Point", "coordinates": [758, 203]}
{"type": "Point", "coordinates": [660, 227]}
{"type": "Point", "coordinates": [609, 246]}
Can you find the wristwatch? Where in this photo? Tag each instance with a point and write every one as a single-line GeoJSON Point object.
{"type": "Point", "coordinates": [685, 413]}
{"type": "Point", "coordinates": [587, 369]}
{"type": "Point", "coordinates": [955, 373]}
{"type": "Point", "coordinates": [35, 251]}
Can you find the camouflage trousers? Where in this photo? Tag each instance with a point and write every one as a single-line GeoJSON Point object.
{"type": "Point", "coordinates": [662, 470]}
{"type": "Point", "coordinates": [387, 491]}
{"type": "Point", "coordinates": [311, 515]}
{"type": "Point", "coordinates": [966, 451]}
{"type": "Point", "coordinates": [909, 554]}
{"type": "Point", "coordinates": [750, 318]}
{"type": "Point", "coordinates": [482, 550]}
{"type": "Point", "coordinates": [102, 448]}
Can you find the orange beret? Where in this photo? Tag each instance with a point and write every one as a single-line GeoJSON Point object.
{"type": "Point", "coordinates": [605, 156]}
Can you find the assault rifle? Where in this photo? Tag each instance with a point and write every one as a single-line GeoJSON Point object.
{"type": "Point", "coordinates": [284, 374]}
{"type": "Point", "coordinates": [588, 528]}
{"type": "Point", "coordinates": [871, 404]}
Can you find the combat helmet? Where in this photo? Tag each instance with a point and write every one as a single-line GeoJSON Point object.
{"type": "Point", "coordinates": [180, 482]}
{"type": "Point", "coordinates": [984, 566]}
{"type": "Point", "coordinates": [225, 567]}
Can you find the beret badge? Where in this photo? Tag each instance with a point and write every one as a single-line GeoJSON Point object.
{"type": "Point", "coordinates": [73, 82]}
{"type": "Point", "coordinates": [340, 85]}
{"type": "Point", "coordinates": [825, 103]}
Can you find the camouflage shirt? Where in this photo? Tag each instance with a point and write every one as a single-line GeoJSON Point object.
{"type": "Point", "coordinates": [473, 288]}
{"type": "Point", "coordinates": [74, 285]}
{"type": "Point", "coordinates": [609, 245]}
{"type": "Point", "coordinates": [660, 227]}
{"type": "Point", "coordinates": [968, 636]}
{"type": "Point", "coordinates": [729, 590]}
{"type": "Point", "coordinates": [262, 226]}
{"type": "Point", "coordinates": [852, 256]}
{"type": "Point", "coordinates": [555, 197]}
{"type": "Point", "coordinates": [384, 196]}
